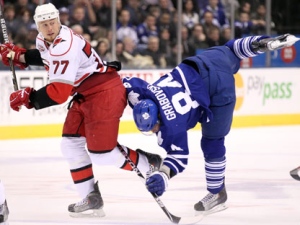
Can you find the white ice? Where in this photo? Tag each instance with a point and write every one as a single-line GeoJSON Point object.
{"type": "Point", "coordinates": [260, 189]}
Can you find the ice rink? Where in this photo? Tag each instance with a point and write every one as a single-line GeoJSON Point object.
{"type": "Point", "coordinates": [260, 189]}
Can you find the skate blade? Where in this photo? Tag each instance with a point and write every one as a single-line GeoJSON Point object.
{"type": "Point", "coordinates": [92, 213]}
{"type": "Point", "coordinates": [294, 173]}
{"type": "Point", "coordinates": [216, 209]}
{"type": "Point", "coordinates": [290, 40]}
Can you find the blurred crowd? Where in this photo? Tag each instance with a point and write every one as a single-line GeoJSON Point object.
{"type": "Point", "coordinates": [146, 29]}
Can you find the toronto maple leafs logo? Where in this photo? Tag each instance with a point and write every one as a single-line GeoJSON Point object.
{"type": "Point", "coordinates": [146, 116]}
{"type": "Point", "coordinates": [133, 97]}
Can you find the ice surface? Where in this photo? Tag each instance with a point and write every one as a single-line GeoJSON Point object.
{"type": "Point", "coordinates": [260, 189]}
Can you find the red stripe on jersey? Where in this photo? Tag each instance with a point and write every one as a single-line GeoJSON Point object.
{"type": "Point", "coordinates": [82, 174]}
{"type": "Point", "coordinates": [133, 155]}
{"type": "Point", "coordinates": [59, 92]}
{"type": "Point", "coordinates": [82, 78]}
{"type": "Point", "coordinates": [87, 49]}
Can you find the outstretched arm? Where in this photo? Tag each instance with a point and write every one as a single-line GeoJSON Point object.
{"type": "Point", "coordinates": [21, 57]}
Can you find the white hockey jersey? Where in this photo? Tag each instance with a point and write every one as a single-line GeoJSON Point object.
{"type": "Point", "coordinates": [70, 58]}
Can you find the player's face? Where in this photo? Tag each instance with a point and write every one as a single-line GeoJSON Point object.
{"type": "Point", "coordinates": [154, 130]}
{"type": "Point", "coordinates": [156, 127]}
{"type": "Point", "coordinates": [49, 29]}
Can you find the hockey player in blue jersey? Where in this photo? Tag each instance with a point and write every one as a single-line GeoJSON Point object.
{"type": "Point", "coordinates": [201, 89]}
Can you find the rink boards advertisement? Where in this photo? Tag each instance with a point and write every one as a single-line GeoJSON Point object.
{"type": "Point", "coordinates": [264, 97]}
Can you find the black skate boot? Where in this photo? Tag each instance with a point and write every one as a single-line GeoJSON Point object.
{"type": "Point", "coordinates": [90, 206]}
{"type": "Point", "coordinates": [3, 212]}
{"type": "Point", "coordinates": [271, 44]}
{"type": "Point", "coordinates": [154, 161]}
{"type": "Point", "coordinates": [211, 203]}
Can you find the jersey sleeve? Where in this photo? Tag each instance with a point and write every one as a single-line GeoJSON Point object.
{"type": "Point", "coordinates": [177, 151]}
{"type": "Point", "coordinates": [135, 89]}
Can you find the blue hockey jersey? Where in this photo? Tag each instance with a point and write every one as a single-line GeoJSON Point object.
{"type": "Point", "coordinates": [178, 110]}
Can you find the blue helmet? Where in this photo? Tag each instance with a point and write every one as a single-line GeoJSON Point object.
{"type": "Point", "coordinates": [145, 114]}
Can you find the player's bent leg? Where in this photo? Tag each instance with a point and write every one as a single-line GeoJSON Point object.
{"type": "Point", "coordinates": [90, 206]}
{"type": "Point", "coordinates": [146, 162]}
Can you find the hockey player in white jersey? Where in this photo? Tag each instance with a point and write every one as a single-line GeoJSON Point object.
{"type": "Point", "coordinates": [3, 205]}
{"type": "Point", "coordinates": [99, 98]}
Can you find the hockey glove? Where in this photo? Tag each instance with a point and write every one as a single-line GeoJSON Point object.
{"type": "Point", "coordinates": [157, 183]}
{"type": "Point", "coordinates": [21, 97]}
{"type": "Point", "coordinates": [11, 51]}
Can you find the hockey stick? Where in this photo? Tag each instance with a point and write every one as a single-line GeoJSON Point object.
{"type": "Point", "coordinates": [5, 37]}
{"type": "Point", "coordinates": [294, 173]}
{"type": "Point", "coordinates": [172, 218]}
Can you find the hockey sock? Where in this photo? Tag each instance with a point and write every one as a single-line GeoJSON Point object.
{"type": "Point", "coordinates": [242, 47]}
{"type": "Point", "coordinates": [215, 173]}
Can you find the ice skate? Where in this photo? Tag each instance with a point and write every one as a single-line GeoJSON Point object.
{"type": "Point", "coordinates": [211, 203]}
{"type": "Point", "coordinates": [3, 212]}
{"type": "Point", "coordinates": [90, 206]}
{"type": "Point", "coordinates": [271, 44]}
{"type": "Point", "coordinates": [154, 160]}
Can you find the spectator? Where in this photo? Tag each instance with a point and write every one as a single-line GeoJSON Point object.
{"type": "Point", "coordinates": [23, 22]}
{"type": "Point", "coordinates": [10, 20]}
{"type": "Point", "coordinates": [136, 12]}
{"type": "Point", "coordinates": [154, 10]}
{"type": "Point", "coordinates": [171, 60]}
{"type": "Point", "coordinates": [145, 30]}
{"type": "Point", "coordinates": [129, 46]}
{"type": "Point", "coordinates": [197, 40]}
{"type": "Point", "coordinates": [31, 36]}
{"type": "Point", "coordinates": [243, 26]}
{"type": "Point", "coordinates": [87, 37]}
{"type": "Point", "coordinates": [23, 5]}
{"type": "Point", "coordinates": [89, 14]}
{"type": "Point", "coordinates": [166, 6]}
{"type": "Point", "coordinates": [165, 22]}
{"type": "Point", "coordinates": [245, 7]}
{"type": "Point", "coordinates": [102, 49]}
{"type": "Point", "coordinates": [124, 28]}
{"type": "Point", "coordinates": [203, 3]}
{"type": "Point", "coordinates": [226, 34]}
{"type": "Point", "coordinates": [165, 42]}
{"type": "Point", "coordinates": [120, 54]}
{"type": "Point", "coordinates": [214, 38]}
{"type": "Point", "coordinates": [185, 42]}
{"type": "Point", "coordinates": [102, 13]}
{"type": "Point", "coordinates": [227, 6]}
{"type": "Point", "coordinates": [78, 17]}
{"type": "Point", "coordinates": [190, 16]}
{"type": "Point", "coordinates": [209, 22]}
{"type": "Point", "coordinates": [154, 52]}
{"type": "Point", "coordinates": [259, 20]}
{"type": "Point", "coordinates": [218, 13]}
{"type": "Point", "coordinates": [64, 16]}
{"type": "Point", "coordinates": [77, 29]}
{"type": "Point", "coordinates": [134, 59]}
